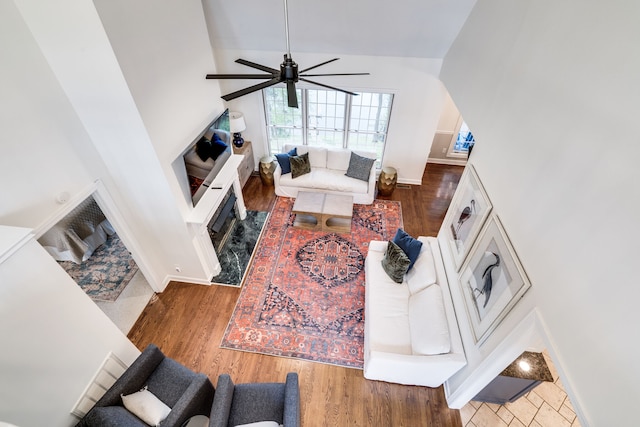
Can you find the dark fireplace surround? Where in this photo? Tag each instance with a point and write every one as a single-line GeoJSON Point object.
{"type": "Point", "coordinates": [223, 219]}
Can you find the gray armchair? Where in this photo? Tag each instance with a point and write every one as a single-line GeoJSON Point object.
{"type": "Point", "coordinates": [184, 391]}
{"type": "Point", "coordinates": [248, 403]}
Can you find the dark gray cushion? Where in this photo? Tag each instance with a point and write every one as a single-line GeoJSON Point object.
{"type": "Point", "coordinates": [257, 402]}
{"type": "Point", "coordinates": [253, 402]}
{"type": "Point", "coordinates": [112, 416]}
{"type": "Point", "coordinates": [359, 167]}
{"type": "Point", "coordinates": [395, 262]}
{"type": "Point", "coordinates": [300, 165]}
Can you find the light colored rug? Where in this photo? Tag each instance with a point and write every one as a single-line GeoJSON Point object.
{"type": "Point", "coordinates": [304, 292]}
{"type": "Point", "coordinates": [106, 273]}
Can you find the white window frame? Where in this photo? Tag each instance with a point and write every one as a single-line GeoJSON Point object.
{"type": "Point", "coordinates": [451, 152]}
{"type": "Point", "coordinates": [302, 102]}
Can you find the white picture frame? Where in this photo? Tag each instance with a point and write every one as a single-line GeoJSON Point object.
{"type": "Point", "coordinates": [467, 213]}
{"type": "Point", "coordinates": [492, 258]}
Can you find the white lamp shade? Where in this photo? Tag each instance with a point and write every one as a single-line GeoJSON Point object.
{"type": "Point", "coordinates": [236, 122]}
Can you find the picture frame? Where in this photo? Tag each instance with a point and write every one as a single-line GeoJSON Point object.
{"type": "Point", "coordinates": [492, 280]}
{"type": "Point", "coordinates": [467, 213]}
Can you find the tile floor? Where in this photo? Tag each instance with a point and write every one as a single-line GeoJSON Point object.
{"type": "Point", "coordinates": [547, 405]}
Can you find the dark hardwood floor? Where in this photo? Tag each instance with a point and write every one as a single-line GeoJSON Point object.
{"type": "Point", "coordinates": [188, 321]}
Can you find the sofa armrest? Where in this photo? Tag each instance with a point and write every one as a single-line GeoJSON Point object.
{"type": "Point", "coordinates": [277, 174]}
{"type": "Point", "coordinates": [222, 399]}
{"type": "Point", "coordinates": [291, 416]}
{"type": "Point", "coordinates": [196, 400]}
{"type": "Point", "coordinates": [409, 369]}
{"type": "Point", "coordinates": [371, 186]}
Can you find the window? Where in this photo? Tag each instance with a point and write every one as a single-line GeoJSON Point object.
{"type": "Point", "coordinates": [464, 138]}
{"type": "Point", "coordinates": [328, 118]}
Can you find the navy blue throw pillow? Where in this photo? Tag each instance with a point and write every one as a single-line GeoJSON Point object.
{"type": "Point", "coordinates": [284, 160]}
{"type": "Point", "coordinates": [203, 148]}
{"type": "Point", "coordinates": [409, 245]}
{"type": "Point", "coordinates": [218, 147]}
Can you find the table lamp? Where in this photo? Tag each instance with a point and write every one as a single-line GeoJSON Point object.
{"type": "Point", "coordinates": [237, 125]}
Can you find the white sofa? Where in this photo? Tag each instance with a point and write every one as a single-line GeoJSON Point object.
{"type": "Point", "coordinates": [403, 321]}
{"type": "Point", "coordinates": [328, 168]}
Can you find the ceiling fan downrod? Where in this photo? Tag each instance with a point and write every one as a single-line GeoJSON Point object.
{"type": "Point", "coordinates": [286, 31]}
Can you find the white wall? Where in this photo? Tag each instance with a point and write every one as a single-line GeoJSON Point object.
{"type": "Point", "coordinates": [448, 128]}
{"type": "Point", "coordinates": [164, 53]}
{"type": "Point", "coordinates": [418, 97]}
{"type": "Point", "coordinates": [126, 121]}
{"type": "Point", "coordinates": [49, 354]}
{"type": "Point", "coordinates": [44, 144]}
{"type": "Point", "coordinates": [552, 95]}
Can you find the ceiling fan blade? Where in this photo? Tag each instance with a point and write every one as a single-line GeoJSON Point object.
{"type": "Point", "coordinates": [291, 95]}
{"type": "Point", "coordinates": [334, 74]}
{"type": "Point", "coordinates": [239, 76]}
{"type": "Point", "coordinates": [250, 89]}
{"type": "Point", "coordinates": [319, 65]}
{"type": "Point", "coordinates": [258, 66]}
{"type": "Point", "coordinates": [328, 87]}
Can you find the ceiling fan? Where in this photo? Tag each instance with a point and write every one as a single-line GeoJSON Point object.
{"type": "Point", "coordinates": [288, 73]}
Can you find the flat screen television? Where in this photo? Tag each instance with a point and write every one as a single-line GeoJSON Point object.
{"type": "Point", "coordinates": [204, 158]}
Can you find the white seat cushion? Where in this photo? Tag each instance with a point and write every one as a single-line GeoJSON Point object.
{"type": "Point", "coordinates": [387, 305]}
{"type": "Point", "coordinates": [325, 179]}
{"type": "Point", "coordinates": [428, 322]}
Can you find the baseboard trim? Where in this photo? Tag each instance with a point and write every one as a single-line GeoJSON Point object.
{"type": "Point", "coordinates": [410, 181]}
{"type": "Point", "coordinates": [183, 279]}
{"type": "Point", "coordinates": [451, 162]}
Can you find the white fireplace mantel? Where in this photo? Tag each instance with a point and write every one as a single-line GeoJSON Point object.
{"type": "Point", "coordinates": [199, 217]}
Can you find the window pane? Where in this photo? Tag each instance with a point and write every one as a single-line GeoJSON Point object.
{"type": "Point", "coordinates": [465, 138]}
{"type": "Point", "coordinates": [368, 142]}
{"type": "Point", "coordinates": [279, 136]}
{"type": "Point", "coordinates": [369, 122]}
{"type": "Point", "coordinates": [325, 138]}
{"type": "Point", "coordinates": [325, 117]}
{"type": "Point", "coordinates": [284, 124]}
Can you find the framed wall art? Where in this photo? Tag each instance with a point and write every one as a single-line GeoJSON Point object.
{"type": "Point", "coordinates": [469, 210]}
{"type": "Point", "coordinates": [492, 279]}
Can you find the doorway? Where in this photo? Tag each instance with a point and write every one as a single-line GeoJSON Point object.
{"type": "Point", "coordinates": [85, 243]}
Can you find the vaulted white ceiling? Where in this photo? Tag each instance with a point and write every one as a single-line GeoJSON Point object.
{"type": "Point", "coordinates": [407, 28]}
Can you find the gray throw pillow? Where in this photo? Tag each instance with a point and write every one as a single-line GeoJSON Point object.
{"type": "Point", "coordinates": [395, 262]}
{"type": "Point", "coordinates": [300, 165]}
{"type": "Point", "coordinates": [359, 167]}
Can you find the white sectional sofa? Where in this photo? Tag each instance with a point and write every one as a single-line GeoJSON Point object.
{"type": "Point", "coordinates": [328, 168]}
{"type": "Point", "coordinates": [411, 333]}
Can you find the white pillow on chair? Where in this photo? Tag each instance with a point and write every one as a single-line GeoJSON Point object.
{"type": "Point", "coordinates": [146, 406]}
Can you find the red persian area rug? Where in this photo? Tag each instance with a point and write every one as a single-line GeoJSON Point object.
{"type": "Point", "coordinates": [304, 293]}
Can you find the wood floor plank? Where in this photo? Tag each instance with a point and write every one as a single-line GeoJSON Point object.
{"type": "Point", "coordinates": [188, 322]}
